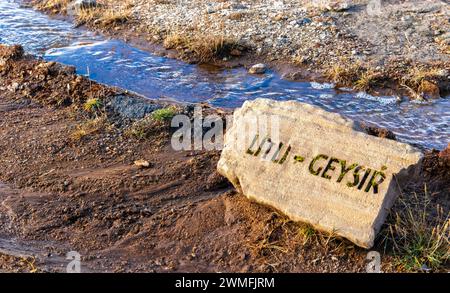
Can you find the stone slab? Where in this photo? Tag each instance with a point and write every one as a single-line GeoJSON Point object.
{"type": "Point", "coordinates": [316, 167]}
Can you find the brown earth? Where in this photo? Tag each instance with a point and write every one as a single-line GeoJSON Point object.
{"type": "Point", "coordinates": [68, 191]}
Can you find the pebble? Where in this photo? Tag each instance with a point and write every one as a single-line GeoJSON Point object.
{"type": "Point", "coordinates": [258, 69]}
{"type": "Point", "coordinates": [142, 163]}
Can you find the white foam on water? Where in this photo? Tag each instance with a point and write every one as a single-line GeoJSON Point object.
{"type": "Point", "coordinates": [382, 99]}
{"type": "Point", "coordinates": [326, 96]}
{"type": "Point", "coordinates": [322, 86]}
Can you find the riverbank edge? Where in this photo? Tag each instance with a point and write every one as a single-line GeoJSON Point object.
{"type": "Point", "coordinates": [401, 78]}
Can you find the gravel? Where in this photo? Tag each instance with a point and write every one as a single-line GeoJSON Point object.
{"type": "Point", "coordinates": [314, 33]}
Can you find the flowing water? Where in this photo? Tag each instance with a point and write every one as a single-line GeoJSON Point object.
{"type": "Point", "coordinates": [113, 62]}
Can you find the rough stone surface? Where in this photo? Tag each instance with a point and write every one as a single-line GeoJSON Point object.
{"type": "Point", "coordinates": [132, 107]}
{"type": "Point", "coordinates": [304, 179]}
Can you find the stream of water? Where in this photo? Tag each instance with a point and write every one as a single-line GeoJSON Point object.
{"type": "Point", "coordinates": [113, 62]}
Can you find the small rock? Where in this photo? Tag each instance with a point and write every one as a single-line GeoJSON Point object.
{"type": "Point", "coordinates": [258, 69]}
{"type": "Point", "coordinates": [83, 4]}
{"type": "Point", "coordinates": [142, 163]}
{"type": "Point", "coordinates": [304, 21]}
{"type": "Point", "coordinates": [13, 87]}
{"type": "Point", "coordinates": [279, 17]}
{"type": "Point", "coordinates": [80, 4]}
{"type": "Point", "coordinates": [339, 6]}
{"type": "Point", "coordinates": [238, 6]}
{"type": "Point", "coordinates": [236, 53]}
{"type": "Point", "coordinates": [443, 39]}
{"type": "Point", "coordinates": [132, 107]}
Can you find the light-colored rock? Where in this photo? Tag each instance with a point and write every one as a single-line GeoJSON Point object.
{"type": "Point", "coordinates": [281, 172]}
{"type": "Point", "coordinates": [81, 4]}
{"type": "Point", "coordinates": [14, 87]}
{"type": "Point", "coordinates": [84, 3]}
{"type": "Point", "coordinates": [258, 69]}
{"type": "Point", "coordinates": [142, 163]}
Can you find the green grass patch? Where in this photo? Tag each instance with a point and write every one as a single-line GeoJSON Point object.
{"type": "Point", "coordinates": [164, 114]}
{"type": "Point", "coordinates": [92, 105]}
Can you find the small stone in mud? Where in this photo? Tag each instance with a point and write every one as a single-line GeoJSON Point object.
{"type": "Point", "coordinates": [258, 69]}
{"type": "Point", "coordinates": [236, 53]}
{"type": "Point", "coordinates": [142, 164]}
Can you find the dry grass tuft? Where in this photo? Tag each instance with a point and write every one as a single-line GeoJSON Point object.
{"type": "Point", "coordinates": [53, 6]}
{"type": "Point", "coordinates": [145, 128]}
{"type": "Point", "coordinates": [88, 15]}
{"type": "Point", "coordinates": [92, 105]}
{"type": "Point", "coordinates": [103, 16]}
{"type": "Point", "coordinates": [175, 40]}
{"type": "Point", "coordinates": [113, 17]}
{"type": "Point", "coordinates": [418, 74]}
{"type": "Point", "coordinates": [203, 48]}
{"type": "Point", "coordinates": [354, 75]}
{"type": "Point", "coordinates": [90, 127]}
{"type": "Point", "coordinates": [209, 48]}
{"type": "Point", "coordinates": [418, 234]}
{"type": "Point", "coordinates": [346, 75]}
{"type": "Point", "coordinates": [422, 82]}
{"type": "Point", "coordinates": [282, 236]}
{"type": "Point", "coordinates": [367, 80]}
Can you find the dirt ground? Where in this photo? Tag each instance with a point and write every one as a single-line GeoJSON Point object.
{"type": "Point", "coordinates": [69, 183]}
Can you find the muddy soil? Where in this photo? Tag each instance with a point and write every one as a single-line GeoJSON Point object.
{"type": "Point", "coordinates": [65, 191]}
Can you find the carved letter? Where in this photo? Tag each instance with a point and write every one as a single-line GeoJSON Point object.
{"type": "Point", "coordinates": [355, 176]}
{"type": "Point", "coordinates": [374, 182]}
{"type": "Point", "coordinates": [345, 170]}
{"type": "Point", "coordinates": [364, 178]}
{"type": "Point", "coordinates": [275, 156]}
{"type": "Point", "coordinates": [329, 167]}
{"type": "Point", "coordinates": [286, 153]}
{"type": "Point", "coordinates": [311, 166]}
{"type": "Point", "coordinates": [249, 150]}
